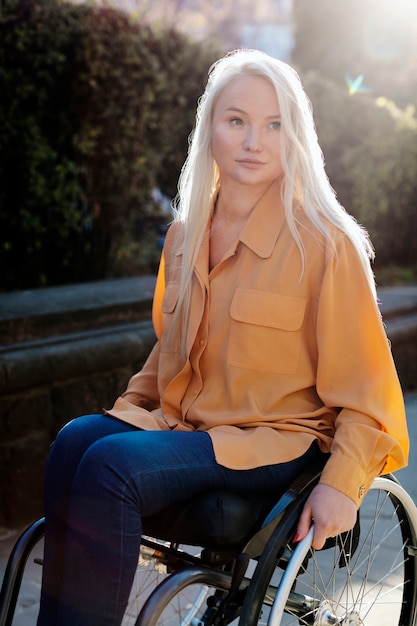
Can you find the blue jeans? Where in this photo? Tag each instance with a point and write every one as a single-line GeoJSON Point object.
{"type": "Point", "coordinates": [102, 477]}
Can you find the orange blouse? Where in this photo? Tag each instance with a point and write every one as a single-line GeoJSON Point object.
{"type": "Point", "coordinates": [275, 357]}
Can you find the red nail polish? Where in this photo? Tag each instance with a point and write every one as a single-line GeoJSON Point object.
{"type": "Point", "coordinates": [296, 537]}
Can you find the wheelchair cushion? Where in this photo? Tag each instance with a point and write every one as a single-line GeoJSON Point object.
{"type": "Point", "coordinates": [215, 518]}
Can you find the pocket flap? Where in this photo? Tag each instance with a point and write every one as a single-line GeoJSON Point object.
{"type": "Point", "coordinates": [268, 309]}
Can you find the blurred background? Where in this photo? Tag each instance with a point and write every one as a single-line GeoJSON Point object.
{"type": "Point", "coordinates": [97, 101]}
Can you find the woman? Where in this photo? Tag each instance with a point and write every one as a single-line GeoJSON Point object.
{"type": "Point", "coordinates": [271, 353]}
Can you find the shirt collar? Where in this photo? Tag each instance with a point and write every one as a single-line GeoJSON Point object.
{"type": "Point", "coordinates": [264, 225]}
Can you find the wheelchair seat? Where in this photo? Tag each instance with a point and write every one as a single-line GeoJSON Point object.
{"type": "Point", "coordinates": [212, 519]}
{"type": "Point", "coordinates": [224, 519]}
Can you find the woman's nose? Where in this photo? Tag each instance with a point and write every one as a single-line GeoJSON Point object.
{"type": "Point", "coordinates": [252, 141]}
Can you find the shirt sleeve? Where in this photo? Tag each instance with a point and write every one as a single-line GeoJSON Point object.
{"type": "Point", "coordinates": [357, 376]}
{"type": "Point", "coordinates": [142, 389]}
{"type": "Point", "coordinates": [158, 298]}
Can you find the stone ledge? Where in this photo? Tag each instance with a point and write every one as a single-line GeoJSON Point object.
{"type": "Point", "coordinates": [33, 363]}
{"type": "Point", "coordinates": [397, 301]}
{"type": "Point", "coordinates": [401, 327]}
{"type": "Point", "coordinates": [52, 311]}
{"type": "Point", "coordinates": [402, 333]}
{"type": "Point", "coordinates": [399, 310]}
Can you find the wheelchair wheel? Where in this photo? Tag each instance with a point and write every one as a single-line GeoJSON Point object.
{"type": "Point", "coordinates": [372, 583]}
{"type": "Point", "coordinates": [153, 567]}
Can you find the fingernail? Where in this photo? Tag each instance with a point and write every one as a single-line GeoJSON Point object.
{"type": "Point", "coordinates": [296, 538]}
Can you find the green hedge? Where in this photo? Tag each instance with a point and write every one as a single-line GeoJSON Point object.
{"type": "Point", "coordinates": [96, 111]}
{"type": "Point", "coordinates": [370, 148]}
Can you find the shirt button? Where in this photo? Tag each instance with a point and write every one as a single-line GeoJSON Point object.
{"type": "Point", "coordinates": [195, 391]}
{"type": "Point", "coordinates": [201, 342]}
{"type": "Point", "coordinates": [362, 490]}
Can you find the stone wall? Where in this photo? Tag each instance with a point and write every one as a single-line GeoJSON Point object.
{"type": "Point", "coordinates": [64, 352]}
{"type": "Point", "coordinates": [398, 306]}
{"type": "Point", "coordinates": [67, 351]}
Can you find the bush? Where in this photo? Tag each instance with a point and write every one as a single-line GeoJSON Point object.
{"type": "Point", "coordinates": [136, 101]}
{"type": "Point", "coordinates": [96, 112]}
{"type": "Point", "coordinates": [39, 189]}
{"type": "Point", "coordinates": [370, 148]}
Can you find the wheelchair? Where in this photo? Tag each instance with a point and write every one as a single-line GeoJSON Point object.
{"type": "Point", "coordinates": [226, 559]}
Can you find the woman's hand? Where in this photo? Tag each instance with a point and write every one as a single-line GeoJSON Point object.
{"type": "Point", "coordinates": [333, 513]}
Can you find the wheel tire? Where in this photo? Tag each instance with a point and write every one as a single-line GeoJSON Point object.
{"type": "Point", "coordinates": [184, 610]}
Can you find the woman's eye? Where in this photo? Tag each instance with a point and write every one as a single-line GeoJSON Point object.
{"type": "Point", "coordinates": [236, 121]}
{"type": "Point", "coordinates": [275, 125]}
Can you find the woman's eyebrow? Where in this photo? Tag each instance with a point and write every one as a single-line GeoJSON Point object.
{"type": "Point", "coordinates": [234, 108]}
{"type": "Point", "coordinates": [238, 110]}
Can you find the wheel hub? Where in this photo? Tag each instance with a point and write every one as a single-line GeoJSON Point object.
{"type": "Point", "coordinates": [353, 619]}
{"type": "Point", "coordinates": [326, 617]}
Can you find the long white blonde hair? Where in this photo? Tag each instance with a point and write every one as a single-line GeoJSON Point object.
{"type": "Point", "coordinates": [305, 181]}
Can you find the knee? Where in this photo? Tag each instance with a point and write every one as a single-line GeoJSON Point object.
{"type": "Point", "coordinates": [70, 445]}
{"type": "Point", "coordinates": [101, 468]}
{"type": "Point", "coordinates": [77, 433]}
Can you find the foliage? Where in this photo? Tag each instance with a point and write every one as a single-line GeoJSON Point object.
{"type": "Point", "coordinates": [357, 63]}
{"type": "Point", "coordinates": [96, 109]}
{"type": "Point", "coordinates": [112, 102]}
{"type": "Point", "coordinates": [38, 178]}
{"type": "Point", "coordinates": [370, 148]}
{"type": "Point", "coordinates": [178, 88]}
{"type": "Point", "coordinates": [389, 275]}
{"type": "Point", "coordinates": [96, 112]}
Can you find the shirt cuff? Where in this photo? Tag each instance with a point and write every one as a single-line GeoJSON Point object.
{"type": "Point", "coordinates": [347, 476]}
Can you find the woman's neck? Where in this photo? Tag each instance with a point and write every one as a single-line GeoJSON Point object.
{"type": "Point", "coordinates": [231, 212]}
{"type": "Point", "coordinates": [235, 206]}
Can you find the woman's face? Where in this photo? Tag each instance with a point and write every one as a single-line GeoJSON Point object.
{"type": "Point", "coordinates": [246, 132]}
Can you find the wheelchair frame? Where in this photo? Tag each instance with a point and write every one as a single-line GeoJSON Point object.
{"type": "Point", "coordinates": [257, 599]}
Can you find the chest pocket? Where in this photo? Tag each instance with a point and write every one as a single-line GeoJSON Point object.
{"type": "Point", "coordinates": [265, 331]}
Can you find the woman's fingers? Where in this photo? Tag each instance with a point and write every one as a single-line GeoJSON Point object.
{"type": "Point", "coordinates": [332, 511]}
